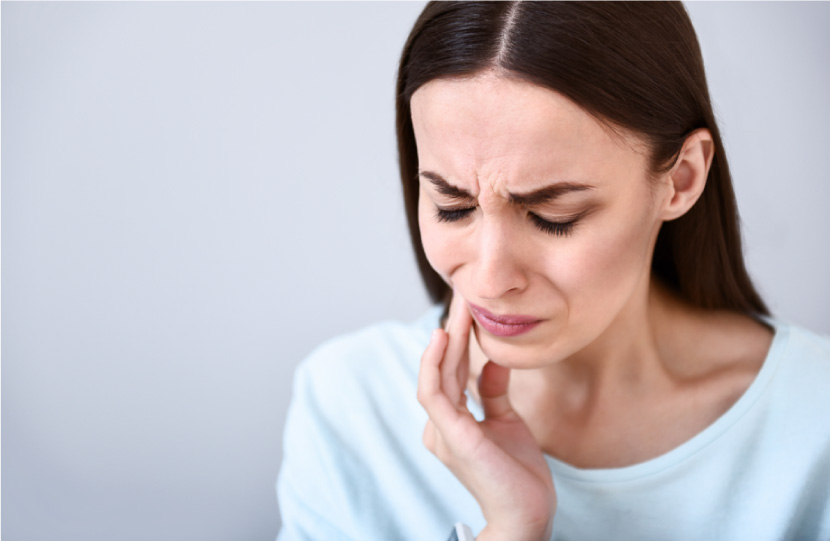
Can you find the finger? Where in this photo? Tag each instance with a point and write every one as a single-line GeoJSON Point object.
{"type": "Point", "coordinates": [429, 375]}
{"type": "Point", "coordinates": [477, 360]}
{"type": "Point", "coordinates": [455, 357]}
{"type": "Point", "coordinates": [492, 388]}
{"type": "Point", "coordinates": [463, 373]}
{"type": "Point", "coordinates": [463, 370]}
{"type": "Point", "coordinates": [432, 397]}
{"type": "Point", "coordinates": [472, 353]}
{"type": "Point", "coordinates": [428, 437]}
{"type": "Point", "coordinates": [449, 364]}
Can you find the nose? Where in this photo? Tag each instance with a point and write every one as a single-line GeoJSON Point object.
{"type": "Point", "coordinates": [499, 269]}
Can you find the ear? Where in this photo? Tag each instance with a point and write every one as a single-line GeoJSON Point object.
{"type": "Point", "coordinates": [687, 178]}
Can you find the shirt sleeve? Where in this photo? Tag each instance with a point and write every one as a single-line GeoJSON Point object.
{"type": "Point", "coordinates": [308, 490]}
{"type": "Point", "coordinates": [353, 465]}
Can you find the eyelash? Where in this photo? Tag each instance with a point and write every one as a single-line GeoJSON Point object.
{"type": "Point", "coordinates": [552, 228]}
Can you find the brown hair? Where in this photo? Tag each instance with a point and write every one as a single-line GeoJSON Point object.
{"type": "Point", "coordinates": [635, 65]}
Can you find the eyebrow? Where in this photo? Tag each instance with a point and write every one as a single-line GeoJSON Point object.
{"type": "Point", "coordinates": [536, 197]}
{"type": "Point", "coordinates": [444, 187]}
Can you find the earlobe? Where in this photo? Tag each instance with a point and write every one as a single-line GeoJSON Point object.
{"type": "Point", "coordinates": [687, 177]}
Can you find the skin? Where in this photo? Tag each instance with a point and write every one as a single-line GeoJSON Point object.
{"type": "Point", "coordinates": [619, 370]}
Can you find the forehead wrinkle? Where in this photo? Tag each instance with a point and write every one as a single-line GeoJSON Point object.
{"type": "Point", "coordinates": [492, 183]}
{"type": "Point", "coordinates": [473, 171]}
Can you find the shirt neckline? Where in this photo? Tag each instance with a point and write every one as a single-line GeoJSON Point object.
{"type": "Point", "coordinates": [692, 446]}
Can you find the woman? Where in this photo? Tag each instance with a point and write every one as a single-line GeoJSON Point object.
{"type": "Point", "coordinates": [608, 370]}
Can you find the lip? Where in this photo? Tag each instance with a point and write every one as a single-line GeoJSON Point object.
{"type": "Point", "coordinates": [503, 325]}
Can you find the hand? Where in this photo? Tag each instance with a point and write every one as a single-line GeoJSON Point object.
{"type": "Point", "coordinates": [497, 459]}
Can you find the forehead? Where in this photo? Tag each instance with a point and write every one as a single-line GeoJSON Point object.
{"type": "Point", "coordinates": [524, 134]}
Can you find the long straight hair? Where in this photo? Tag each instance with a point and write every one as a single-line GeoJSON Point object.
{"type": "Point", "coordinates": [632, 65]}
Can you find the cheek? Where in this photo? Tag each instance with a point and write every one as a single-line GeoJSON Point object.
{"type": "Point", "coordinates": [437, 244]}
{"type": "Point", "coordinates": [602, 269]}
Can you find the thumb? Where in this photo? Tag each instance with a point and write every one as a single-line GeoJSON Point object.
{"type": "Point", "coordinates": [492, 388]}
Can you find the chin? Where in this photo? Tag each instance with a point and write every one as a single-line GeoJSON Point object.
{"type": "Point", "coordinates": [512, 353]}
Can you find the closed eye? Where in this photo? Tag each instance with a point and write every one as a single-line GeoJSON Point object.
{"type": "Point", "coordinates": [452, 215]}
{"type": "Point", "coordinates": [560, 229]}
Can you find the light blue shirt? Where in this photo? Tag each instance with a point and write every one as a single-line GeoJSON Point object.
{"type": "Point", "coordinates": [354, 466]}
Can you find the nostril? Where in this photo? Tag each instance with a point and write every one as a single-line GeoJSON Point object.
{"type": "Point", "coordinates": [495, 281]}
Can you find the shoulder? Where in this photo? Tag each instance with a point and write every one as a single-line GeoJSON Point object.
{"type": "Point", "coordinates": [381, 355]}
{"type": "Point", "coordinates": [353, 385]}
{"type": "Point", "coordinates": [787, 438]}
{"type": "Point", "coordinates": [792, 398]}
{"type": "Point", "coordinates": [807, 344]}
{"type": "Point", "coordinates": [802, 362]}
{"type": "Point", "coordinates": [353, 433]}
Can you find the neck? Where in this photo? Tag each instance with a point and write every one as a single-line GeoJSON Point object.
{"type": "Point", "coordinates": [632, 349]}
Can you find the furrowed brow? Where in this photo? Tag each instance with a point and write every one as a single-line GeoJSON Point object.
{"type": "Point", "coordinates": [547, 194]}
{"type": "Point", "coordinates": [444, 187]}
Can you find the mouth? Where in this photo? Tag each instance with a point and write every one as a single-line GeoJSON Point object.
{"type": "Point", "coordinates": [503, 325]}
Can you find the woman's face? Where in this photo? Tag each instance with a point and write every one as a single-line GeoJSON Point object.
{"type": "Point", "coordinates": [529, 207]}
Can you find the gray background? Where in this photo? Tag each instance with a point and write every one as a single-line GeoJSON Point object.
{"type": "Point", "coordinates": [195, 195]}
